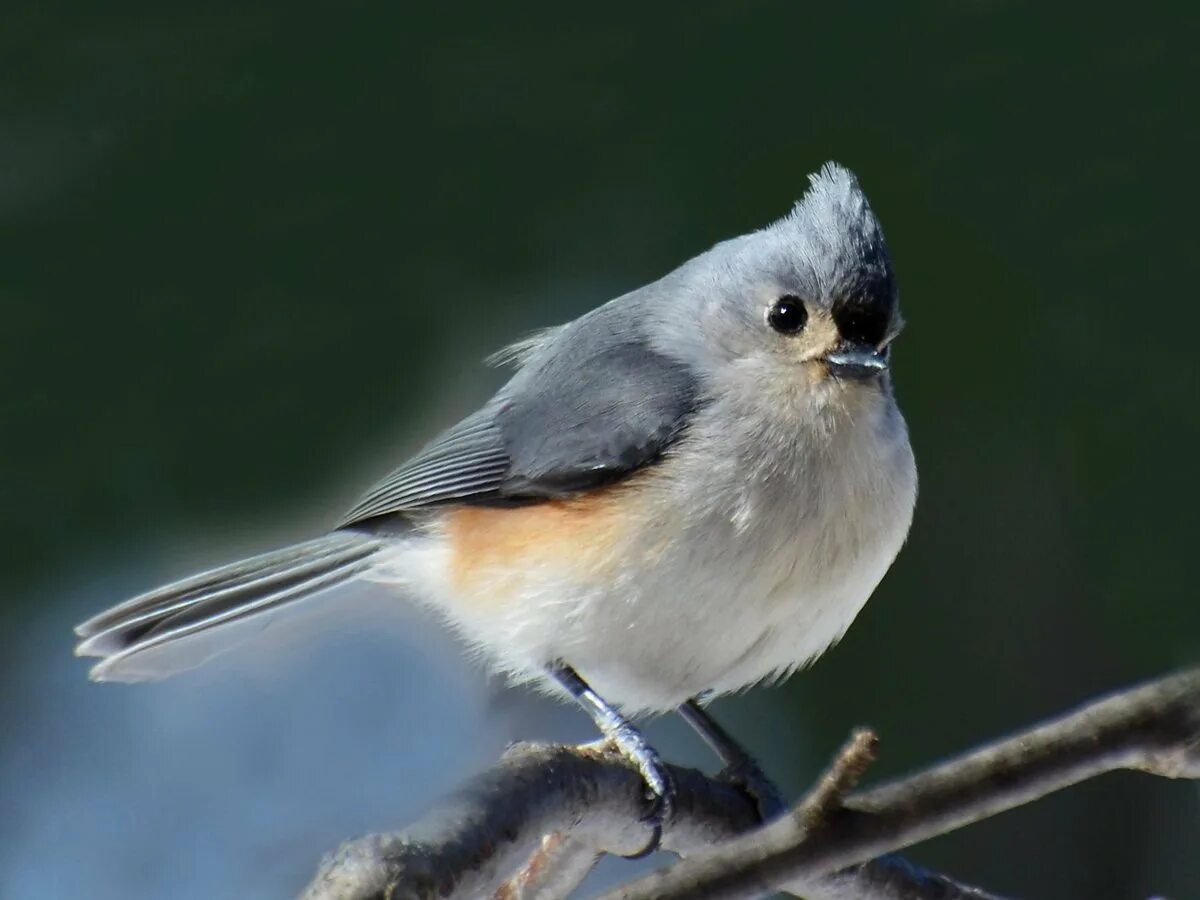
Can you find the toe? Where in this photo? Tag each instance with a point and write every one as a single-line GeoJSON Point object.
{"type": "Point", "coordinates": [758, 787]}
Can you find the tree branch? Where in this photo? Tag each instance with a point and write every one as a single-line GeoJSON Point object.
{"type": "Point", "coordinates": [489, 827]}
{"type": "Point", "coordinates": [589, 802]}
{"type": "Point", "coordinates": [1154, 729]}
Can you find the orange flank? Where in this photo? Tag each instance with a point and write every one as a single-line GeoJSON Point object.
{"type": "Point", "coordinates": [502, 544]}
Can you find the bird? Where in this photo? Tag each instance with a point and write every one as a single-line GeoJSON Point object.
{"type": "Point", "coordinates": [691, 489]}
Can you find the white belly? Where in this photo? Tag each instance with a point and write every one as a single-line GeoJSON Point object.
{"type": "Point", "coordinates": [733, 573]}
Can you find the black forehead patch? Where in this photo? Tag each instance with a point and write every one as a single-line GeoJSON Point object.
{"type": "Point", "coordinates": [865, 315]}
{"type": "Point", "coordinates": [841, 241]}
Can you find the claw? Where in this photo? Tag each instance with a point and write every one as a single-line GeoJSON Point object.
{"type": "Point", "coordinates": [660, 786]}
{"type": "Point", "coordinates": [747, 775]}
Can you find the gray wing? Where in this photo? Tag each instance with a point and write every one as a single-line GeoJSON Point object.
{"type": "Point", "coordinates": [593, 403]}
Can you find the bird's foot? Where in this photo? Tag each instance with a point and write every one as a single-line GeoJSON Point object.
{"type": "Point", "coordinates": [741, 769]}
{"type": "Point", "coordinates": [660, 786]}
{"type": "Point", "coordinates": [747, 775]}
{"type": "Point", "coordinates": [627, 741]}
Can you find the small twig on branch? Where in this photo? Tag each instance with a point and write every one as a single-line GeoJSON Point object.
{"type": "Point", "coordinates": [555, 869]}
{"type": "Point", "coordinates": [591, 802]}
{"type": "Point", "coordinates": [825, 797]}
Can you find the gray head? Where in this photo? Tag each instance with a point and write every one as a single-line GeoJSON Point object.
{"type": "Point", "coordinates": [808, 301]}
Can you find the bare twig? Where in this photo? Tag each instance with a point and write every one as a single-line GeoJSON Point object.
{"type": "Point", "coordinates": [1154, 728]}
{"type": "Point", "coordinates": [555, 869]}
{"type": "Point", "coordinates": [592, 801]}
{"type": "Point", "coordinates": [843, 774]}
{"type": "Point", "coordinates": [496, 822]}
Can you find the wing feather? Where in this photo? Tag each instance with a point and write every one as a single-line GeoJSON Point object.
{"type": "Point", "coordinates": [590, 404]}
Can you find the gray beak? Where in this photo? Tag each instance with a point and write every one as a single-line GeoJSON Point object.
{"type": "Point", "coordinates": [857, 362]}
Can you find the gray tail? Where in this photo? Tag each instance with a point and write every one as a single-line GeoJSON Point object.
{"type": "Point", "coordinates": [122, 636]}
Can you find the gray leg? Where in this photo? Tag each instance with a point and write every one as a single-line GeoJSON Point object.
{"type": "Point", "coordinates": [629, 742]}
{"type": "Point", "coordinates": [740, 767]}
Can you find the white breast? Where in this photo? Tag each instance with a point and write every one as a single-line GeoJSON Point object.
{"type": "Point", "coordinates": [751, 552]}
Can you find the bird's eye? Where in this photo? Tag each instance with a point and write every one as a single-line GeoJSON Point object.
{"type": "Point", "coordinates": [787, 315]}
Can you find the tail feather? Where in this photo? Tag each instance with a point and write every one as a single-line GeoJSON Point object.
{"type": "Point", "coordinates": [219, 597]}
{"type": "Point", "coordinates": [178, 593]}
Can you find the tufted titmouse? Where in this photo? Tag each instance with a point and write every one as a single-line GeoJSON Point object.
{"type": "Point", "coordinates": [691, 489]}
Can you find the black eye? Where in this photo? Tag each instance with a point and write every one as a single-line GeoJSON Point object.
{"type": "Point", "coordinates": [787, 315]}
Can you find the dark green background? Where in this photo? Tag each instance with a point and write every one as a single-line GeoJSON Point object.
{"type": "Point", "coordinates": [250, 257]}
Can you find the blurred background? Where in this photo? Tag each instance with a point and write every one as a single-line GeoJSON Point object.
{"type": "Point", "coordinates": [251, 256]}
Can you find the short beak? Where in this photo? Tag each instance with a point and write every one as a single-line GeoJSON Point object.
{"type": "Point", "coordinates": [857, 362]}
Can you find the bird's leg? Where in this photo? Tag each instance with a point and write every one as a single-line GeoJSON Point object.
{"type": "Point", "coordinates": [740, 767]}
{"type": "Point", "coordinates": [629, 742]}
